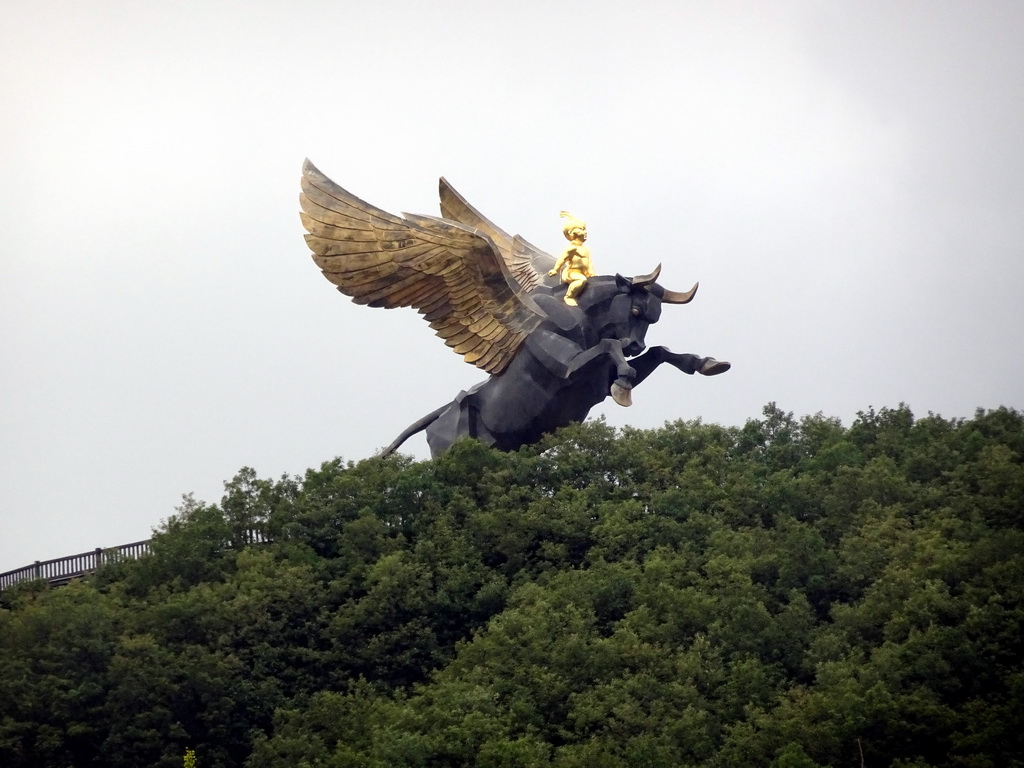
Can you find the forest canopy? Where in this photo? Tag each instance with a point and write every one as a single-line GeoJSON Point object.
{"type": "Point", "coordinates": [791, 593]}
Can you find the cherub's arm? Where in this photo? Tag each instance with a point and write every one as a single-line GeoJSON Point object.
{"type": "Point", "coordinates": [561, 261]}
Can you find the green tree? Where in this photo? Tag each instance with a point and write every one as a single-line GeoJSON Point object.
{"type": "Point", "coordinates": [790, 593]}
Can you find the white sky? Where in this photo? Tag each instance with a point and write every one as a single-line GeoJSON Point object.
{"type": "Point", "coordinates": [846, 180]}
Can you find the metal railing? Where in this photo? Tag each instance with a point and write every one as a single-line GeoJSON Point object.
{"type": "Point", "coordinates": [64, 569]}
{"type": "Point", "coordinates": [57, 572]}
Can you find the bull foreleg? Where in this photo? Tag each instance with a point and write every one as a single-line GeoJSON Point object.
{"type": "Point", "coordinates": [655, 356]}
{"type": "Point", "coordinates": [705, 366]}
{"type": "Point", "coordinates": [613, 349]}
{"type": "Point", "coordinates": [645, 364]}
{"type": "Point", "coordinates": [564, 359]}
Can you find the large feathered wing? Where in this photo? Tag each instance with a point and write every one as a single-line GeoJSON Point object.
{"type": "Point", "coordinates": [450, 272]}
{"type": "Point", "coordinates": [527, 263]}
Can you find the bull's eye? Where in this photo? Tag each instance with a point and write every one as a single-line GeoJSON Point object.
{"type": "Point", "coordinates": [635, 311]}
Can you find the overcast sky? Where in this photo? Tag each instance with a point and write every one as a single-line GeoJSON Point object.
{"type": "Point", "coordinates": [846, 180]}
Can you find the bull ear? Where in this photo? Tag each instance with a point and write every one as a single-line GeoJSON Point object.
{"type": "Point", "coordinates": [622, 282]}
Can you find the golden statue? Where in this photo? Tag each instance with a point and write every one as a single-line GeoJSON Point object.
{"type": "Point", "coordinates": [575, 261]}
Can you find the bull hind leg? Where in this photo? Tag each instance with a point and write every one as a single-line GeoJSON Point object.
{"type": "Point", "coordinates": [461, 418]}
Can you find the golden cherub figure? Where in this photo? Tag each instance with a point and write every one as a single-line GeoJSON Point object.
{"type": "Point", "coordinates": [575, 261]}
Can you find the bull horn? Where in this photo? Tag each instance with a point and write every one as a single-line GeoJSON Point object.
{"type": "Point", "coordinates": [642, 281]}
{"type": "Point", "coordinates": [675, 297]}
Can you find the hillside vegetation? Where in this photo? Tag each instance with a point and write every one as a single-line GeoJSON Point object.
{"type": "Point", "coordinates": [792, 593]}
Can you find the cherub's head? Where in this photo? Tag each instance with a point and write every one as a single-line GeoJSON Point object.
{"type": "Point", "coordinates": [574, 229]}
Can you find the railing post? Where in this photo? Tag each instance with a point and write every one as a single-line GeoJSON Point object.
{"type": "Point", "coordinates": [62, 569]}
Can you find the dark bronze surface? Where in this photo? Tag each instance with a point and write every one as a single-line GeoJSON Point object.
{"type": "Point", "coordinates": [556, 338]}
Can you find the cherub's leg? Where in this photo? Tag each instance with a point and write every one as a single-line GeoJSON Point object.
{"type": "Point", "coordinates": [573, 291]}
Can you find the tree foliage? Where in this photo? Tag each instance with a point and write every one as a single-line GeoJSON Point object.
{"type": "Point", "coordinates": [792, 593]}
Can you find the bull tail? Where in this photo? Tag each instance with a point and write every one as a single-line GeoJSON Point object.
{"type": "Point", "coordinates": [417, 426]}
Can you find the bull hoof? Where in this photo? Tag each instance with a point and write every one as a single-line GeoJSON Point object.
{"type": "Point", "coordinates": [712, 367]}
{"type": "Point", "coordinates": [622, 396]}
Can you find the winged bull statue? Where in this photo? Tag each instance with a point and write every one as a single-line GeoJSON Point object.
{"type": "Point", "coordinates": [499, 302]}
